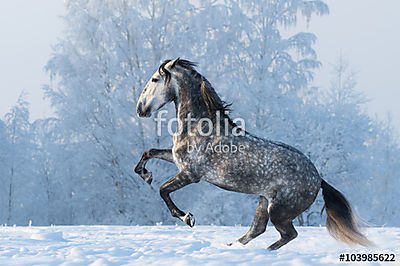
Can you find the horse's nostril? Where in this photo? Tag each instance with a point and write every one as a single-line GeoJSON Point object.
{"type": "Point", "coordinates": [139, 109]}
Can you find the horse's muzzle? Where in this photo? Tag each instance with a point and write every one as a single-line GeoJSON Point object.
{"type": "Point", "coordinates": [141, 111]}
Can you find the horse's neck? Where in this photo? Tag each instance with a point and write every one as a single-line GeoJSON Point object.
{"type": "Point", "coordinates": [190, 112]}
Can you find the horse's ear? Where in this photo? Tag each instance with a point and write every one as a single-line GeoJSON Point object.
{"type": "Point", "coordinates": [174, 62]}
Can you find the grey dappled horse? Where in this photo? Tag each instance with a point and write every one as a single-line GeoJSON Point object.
{"type": "Point", "coordinates": [285, 178]}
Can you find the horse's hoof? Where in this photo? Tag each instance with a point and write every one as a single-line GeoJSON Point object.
{"type": "Point", "coordinates": [189, 219]}
{"type": "Point", "coordinates": [147, 176]}
{"type": "Point", "coordinates": [275, 246]}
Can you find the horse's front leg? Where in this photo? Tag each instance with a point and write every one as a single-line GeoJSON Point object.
{"type": "Point", "coordinates": [177, 182]}
{"type": "Point", "coordinates": [163, 154]}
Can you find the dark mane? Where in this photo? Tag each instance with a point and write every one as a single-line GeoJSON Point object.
{"type": "Point", "coordinates": [211, 99]}
{"type": "Point", "coordinates": [180, 62]}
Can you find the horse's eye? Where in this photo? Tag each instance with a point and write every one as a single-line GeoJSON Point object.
{"type": "Point", "coordinates": [154, 80]}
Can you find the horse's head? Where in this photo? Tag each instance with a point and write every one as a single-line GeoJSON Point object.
{"type": "Point", "coordinates": [161, 89]}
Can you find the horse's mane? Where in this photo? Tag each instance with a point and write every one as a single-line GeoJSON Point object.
{"type": "Point", "coordinates": [180, 62]}
{"type": "Point", "coordinates": [211, 99]}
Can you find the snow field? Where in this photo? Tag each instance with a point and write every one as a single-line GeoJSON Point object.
{"type": "Point", "coordinates": [178, 245]}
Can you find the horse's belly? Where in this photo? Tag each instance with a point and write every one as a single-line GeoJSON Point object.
{"type": "Point", "coordinates": [237, 182]}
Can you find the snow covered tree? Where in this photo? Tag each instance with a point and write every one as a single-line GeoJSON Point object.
{"type": "Point", "coordinates": [4, 172]}
{"type": "Point", "coordinates": [17, 121]}
{"type": "Point", "coordinates": [384, 178]}
{"type": "Point", "coordinates": [23, 186]}
{"type": "Point", "coordinates": [48, 157]}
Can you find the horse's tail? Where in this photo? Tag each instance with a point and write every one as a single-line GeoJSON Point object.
{"type": "Point", "coordinates": [340, 220]}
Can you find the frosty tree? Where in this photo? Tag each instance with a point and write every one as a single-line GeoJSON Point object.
{"type": "Point", "coordinates": [4, 169]}
{"type": "Point", "coordinates": [21, 183]}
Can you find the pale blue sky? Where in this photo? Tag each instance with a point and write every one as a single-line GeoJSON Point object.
{"type": "Point", "coordinates": [365, 32]}
{"type": "Point", "coordinates": [27, 31]}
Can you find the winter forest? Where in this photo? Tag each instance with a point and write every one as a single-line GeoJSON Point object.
{"type": "Point", "coordinates": [77, 167]}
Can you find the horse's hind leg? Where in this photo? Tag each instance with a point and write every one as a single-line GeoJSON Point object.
{"type": "Point", "coordinates": [259, 224]}
{"type": "Point", "coordinates": [283, 224]}
{"type": "Point", "coordinates": [287, 232]}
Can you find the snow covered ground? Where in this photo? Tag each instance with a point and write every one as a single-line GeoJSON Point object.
{"type": "Point", "coordinates": [177, 245]}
